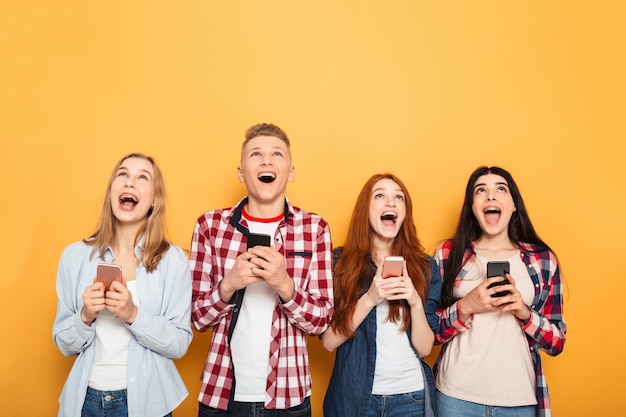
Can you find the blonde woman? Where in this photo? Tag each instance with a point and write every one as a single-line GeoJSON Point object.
{"type": "Point", "coordinates": [125, 337]}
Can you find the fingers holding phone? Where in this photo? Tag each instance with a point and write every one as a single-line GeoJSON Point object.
{"type": "Point", "coordinates": [93, 302]}
{"type": "Point", "coordinates": [119, 301]}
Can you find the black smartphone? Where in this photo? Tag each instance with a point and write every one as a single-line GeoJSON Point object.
{"type": "Point", "coordinates": [498, 269]}
{"type": "Point", "coordinates": [257, 239]}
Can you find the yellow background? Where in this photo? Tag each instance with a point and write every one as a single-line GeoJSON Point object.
{"type": "Point", "coordinates": [426, 89]}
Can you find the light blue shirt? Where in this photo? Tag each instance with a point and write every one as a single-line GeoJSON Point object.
{"type": "Point", "coordinates": [160, 333]}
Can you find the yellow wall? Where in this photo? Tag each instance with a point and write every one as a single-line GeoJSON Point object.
{"type": "Point", "coordinates": [426, 89]}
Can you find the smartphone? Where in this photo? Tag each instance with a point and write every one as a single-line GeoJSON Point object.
{"type": "Point", "coordinates": [392, 266]}
{"type": "Point", "coordinates": [498, 269]}
{"type": "Point", "coordinates": [257, 239]}
{"type": "Point", "coordinates": [107, 273]}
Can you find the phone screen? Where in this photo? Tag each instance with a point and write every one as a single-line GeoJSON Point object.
{"type": "Point", "coordinates": [498, 269]}
{"type": "Point", "coordinates": [257, 239]}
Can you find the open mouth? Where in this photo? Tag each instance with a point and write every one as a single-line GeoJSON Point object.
{"type": "Point", "coordinates": [389, 218]}
{"type": "Point", "coordinates": [128, 201]}
{"type": "Point", "coordinates": [267, 177]}
{"type": "Point", "coordinates": [492, 214]}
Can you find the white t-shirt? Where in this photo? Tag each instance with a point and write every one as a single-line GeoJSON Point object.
{"type": "Point", "coordinates": [490, 363]}
{"type": "Point", "coordinates": [250, 343]}
{"type": "Point", "coordinates": [397, 368]}
{"type": "Point", "coordinates": [111, 357]}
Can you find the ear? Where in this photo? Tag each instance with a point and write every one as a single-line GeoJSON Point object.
{"type": "Point", "coordinates": [240, 174]}
{"type": "Point", "coordinates": [292, 173]}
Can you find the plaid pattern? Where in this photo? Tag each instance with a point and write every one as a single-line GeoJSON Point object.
{"type": "Point", "coordinates": [546, 328]}
{"type": "Point", "coordinates": [304, 241]}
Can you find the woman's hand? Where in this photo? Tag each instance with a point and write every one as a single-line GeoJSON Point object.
{"type": "Point", "coordinates": [402, 288]}
{"type": "Point", "coordinates": [513, 302]}
{"type": "Point", "coordinates": [119, 301]}
{"type": "Point", "coordinates": [93, 302]}
{"type": "Point", "coordinates": [377, 291]}
{"type": "Point", "coordinates": [479, 299]}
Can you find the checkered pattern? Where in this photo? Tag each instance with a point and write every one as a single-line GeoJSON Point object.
{"type": "Point", "coordinates": [304, 241]}
{"type": "Point", "coordinates": [546, 328]}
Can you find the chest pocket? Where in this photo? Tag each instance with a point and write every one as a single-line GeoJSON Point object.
{"type": "Point", "coordinates": [298, 264]}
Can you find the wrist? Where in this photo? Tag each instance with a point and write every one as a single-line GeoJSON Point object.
{"type": "Point", "coordinates": [132, 317]}
{"type": "Point", "coordinates": [286, 292]}
{"type": "Point", "coordinates": [223, 290]}
{"type": "Point", "coordinates": [86, 319]}
{"type": "Point", "coordinates": [526, 320]}
{"type": "Point", "coordinates": [461, 311]}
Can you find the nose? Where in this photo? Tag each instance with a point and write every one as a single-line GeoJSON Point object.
{"type": "Point", "coordinates": [266, 160]}
{"type": "Point", "coordinates": [391, 202]}
{"type": "Point", "coordinates": [129, 182]}
{"type": "Point", "coordinates": [491, 196]}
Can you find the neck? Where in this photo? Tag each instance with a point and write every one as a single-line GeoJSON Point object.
{"type": "Point", "coordinates": [494, 242]}
{"type": "Point", "coordinates": [380, 249]}
{"type": "Point", "coordinates": [495, 246]}
{"type": "Point", "coordinates": [124, 242]}
{"type": "Point", "coordinates": [265, 210]}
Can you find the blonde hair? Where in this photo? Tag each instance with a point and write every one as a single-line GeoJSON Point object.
{"type": "Point", "coordinates": [153, 229]}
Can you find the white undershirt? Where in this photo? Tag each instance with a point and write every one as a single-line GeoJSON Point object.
{"type": "Point", "coordinates": [250, 343]}
{"type": "Point", "coordinates": [397, 367]}
{"type": "Point", "coordinates": [490, 363]}
{"type": "Point", "coordinates": [111, 357]}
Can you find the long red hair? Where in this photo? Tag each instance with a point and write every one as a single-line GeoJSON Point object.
{"type": "Point", "coordinates": [353, 271]}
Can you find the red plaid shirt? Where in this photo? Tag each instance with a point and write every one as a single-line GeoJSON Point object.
{"type": "Point", "coordinates": [546, 327]}
{"type": "Point", "coordinates": [304, 240]}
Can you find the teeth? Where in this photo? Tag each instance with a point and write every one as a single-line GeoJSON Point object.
{"type": "Point", "coordinates": [388, 216]}
{"type": "Point", "coordinates": [492, 210]}
{"type": "Point", "coordinates": [267, 177]}
{"type": "Point", "coordinates": [128, 197]}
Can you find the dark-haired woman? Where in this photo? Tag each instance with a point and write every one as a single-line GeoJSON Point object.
{"type": "Point", "coordinates": [489, 364]}
{"type": "Point", "coordinates": [125, 337]}
{"type": "Point", "coordinates": [381, 327]}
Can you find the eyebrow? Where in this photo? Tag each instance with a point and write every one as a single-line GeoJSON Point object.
{"type": "Point", "coordinates": [141, 170]}
{"type": "Point", "coordinates": [397, 190]}
{"type": "Point", "coordinates": [260, 148]}
{"type": "Point", "coordinates": [484, 184]}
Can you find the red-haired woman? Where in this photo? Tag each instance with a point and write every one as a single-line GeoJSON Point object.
{"type": "Point", "coordinates": [382, 327]}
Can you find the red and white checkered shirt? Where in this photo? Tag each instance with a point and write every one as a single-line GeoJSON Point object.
{"type": "Point", "coordinates": [304, 240]}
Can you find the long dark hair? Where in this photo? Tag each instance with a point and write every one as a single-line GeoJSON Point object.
{"type": "Point", "coordinates": [354, 269]}
{"type": "Point", "coordinates": [468, 229]}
